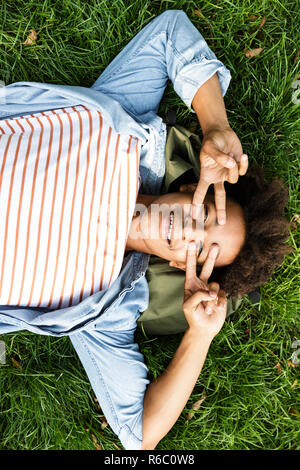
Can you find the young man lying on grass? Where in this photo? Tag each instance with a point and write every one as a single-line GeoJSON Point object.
{"type": "Point", "coordinates": [76, 165]}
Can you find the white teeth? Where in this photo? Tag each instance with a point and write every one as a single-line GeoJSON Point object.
{"type": "Point", "coordinates": [171, 225]}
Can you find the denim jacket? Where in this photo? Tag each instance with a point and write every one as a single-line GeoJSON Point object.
{"type": "Point", "coordinates": [102, 326]}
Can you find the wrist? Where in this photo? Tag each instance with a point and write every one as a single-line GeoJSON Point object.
{"type": "Point", "coordinates": [209, 105]}
{"type": "Point", "coordinates": [216, 126]}
{"type": "Point", "coordinates": [198, 336]}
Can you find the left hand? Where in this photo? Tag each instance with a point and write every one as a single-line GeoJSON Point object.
{"type": "Point", "coordinates": [221, 159]}
{"type": "Point", "coordinates": [205, 305]}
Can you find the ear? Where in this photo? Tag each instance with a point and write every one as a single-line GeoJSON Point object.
{"type": "Point", "coordinates": [177, 264]}
{"type": "Point", "coordinates": [188, 188]}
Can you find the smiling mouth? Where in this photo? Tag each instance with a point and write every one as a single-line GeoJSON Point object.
{"type": "Point", "coordinates": [171, 225]}
{"type": "Point", "coordinates": [170, 235]}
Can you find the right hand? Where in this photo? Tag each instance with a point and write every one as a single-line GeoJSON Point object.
{"type": "Point", "coordinates": [204, 313]}
{"type": "Point", "coordinates": [220, 148]}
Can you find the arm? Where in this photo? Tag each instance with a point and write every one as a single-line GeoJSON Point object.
{"type": "Point", "coordinates": [221, 156]}
{"type": "Point", "coordinates": [166, 397]}
{"type": "Point", "coordinates": [209, 106]}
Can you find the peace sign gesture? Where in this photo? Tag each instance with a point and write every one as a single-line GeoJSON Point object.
{"type": "Point", "coordinates": [204, 304]}
{"type": "Point", "coordinates": [221, 159]}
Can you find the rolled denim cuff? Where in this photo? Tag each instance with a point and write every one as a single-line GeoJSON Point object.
{"type": "Point", "coordinates": [193, 75]}
{"type": "Point", "coordinates": [129, 440]}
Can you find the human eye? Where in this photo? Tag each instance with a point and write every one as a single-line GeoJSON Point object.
{"type": "Point", "coordinates": [200, 248]}
{"type": "Point", "coordinates": [205, 212]}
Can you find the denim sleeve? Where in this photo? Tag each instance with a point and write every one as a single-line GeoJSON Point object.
{"type": "Point", "coordinates": [169, 47]}
{"type": "Point", "coordinates": [190, 61]}
{"type": "Point", "coordinates": [118, 376]}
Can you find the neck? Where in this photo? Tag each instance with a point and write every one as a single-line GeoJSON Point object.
{"type": "Point", "coordinates": [134, 239]}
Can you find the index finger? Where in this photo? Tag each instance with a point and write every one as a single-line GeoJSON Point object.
{"type": "Point", "coordinates": [198, 198]}
{"type": "Point", "coordinates": [191, 264]}
{"type": "Point", "coordinates": [243, 165]}
{"type": "Point", "coordinates": [220, 200]}
{"type": "Point", "coordinates": [208, 265]}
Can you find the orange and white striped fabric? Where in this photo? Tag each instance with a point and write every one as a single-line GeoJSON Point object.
{"type": "Point", "coordinates": [68, 188]}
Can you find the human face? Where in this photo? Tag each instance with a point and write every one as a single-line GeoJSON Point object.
{"type": "Point", "coordinates": [229, 237]}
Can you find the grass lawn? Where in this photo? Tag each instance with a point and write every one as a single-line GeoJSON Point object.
{"type": "Point", "coordinates": [252, 393]}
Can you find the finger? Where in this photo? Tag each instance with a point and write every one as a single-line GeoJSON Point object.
{"type": "Point", "coordinates": [214, 287]}
{"type": "Point", "coordinates": [191, 265]}
{"type": "Point", "coordinates": [209, 263]}
{"type": "Point", "coordinates": [198, 198]}
{"type": "Point", "coordinates": [220, 201]}
{"type": "Point", "coordinates": [192, 302]}
{"type": "Point", "coordinates": [222, 158]}
{"type": "Point", "coordinates": [220, 304]}
{"type": "Point", "coordinates": [222, 300]}
{"type": "Point", "coordinates": [221, 294]}
{"type": "Point", "coordinates": [233, 175]}
{"type": "Point", "coordinates": [243, 165]}
{"type": "Point", "coordinates": [210, 306]}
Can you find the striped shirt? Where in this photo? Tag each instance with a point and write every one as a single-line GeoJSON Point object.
{"type": "Point", "coordinates": [68, 188]}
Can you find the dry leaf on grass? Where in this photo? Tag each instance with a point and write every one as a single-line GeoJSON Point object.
{"type": "Point", "coordinates": [104, 423]}
{"type": "Point", "coordinates": [278, 367]}
{"type": "Point", "coordinates": [254, 18]}
{"type": "Point", "coordinates": [31, 38]}
{"type": "Point", "coordinates": [198, 13]}
{"type": "Point", "coordinates": [292, 364]}
{"type": "Point", "coordinates": [16, 363]}
{"type": "Point", "coordinates": [295, 384]}
{"type": "Point", "coordinates": [96, 443]}
{"type": "Point", "coordinates": [262, 22]}
{"type": "Point", "coordinates": [116, 446]}
{"type": "Point", "coordinates": [96, 401]}
{"type": "Point", "coordinates": [294, 412]}
{"type": "Point", "coordinates": [297, 55]}
{"type": "Point", "coordinates": [295, 222]}
{"type": "Point", "coordinates": [253, 52]}
{"type": "Point", "coordinates": [196, 407]}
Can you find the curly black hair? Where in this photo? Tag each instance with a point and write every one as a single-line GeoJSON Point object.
{"type": "Point", "coordinates": [267, 230]}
